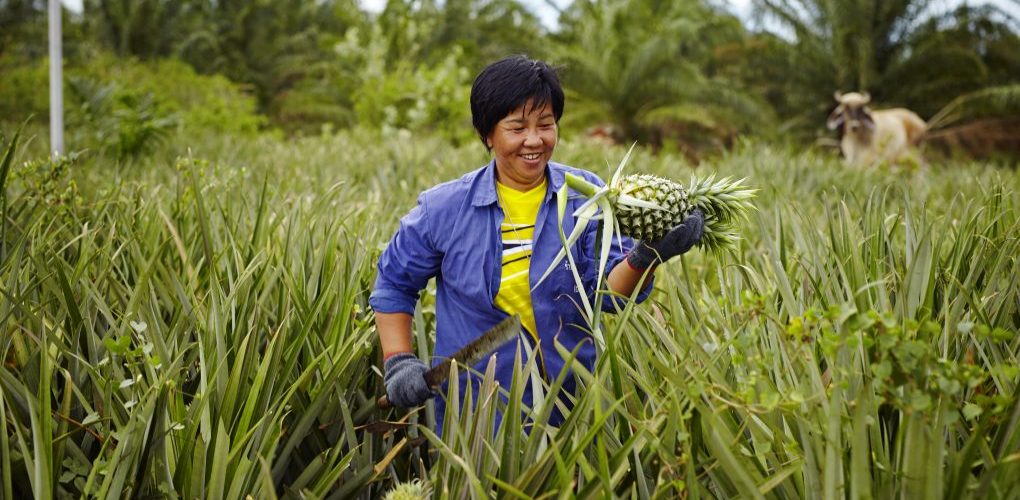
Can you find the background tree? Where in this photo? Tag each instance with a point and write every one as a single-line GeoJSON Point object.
{"type": "Point", "coordinates": [142, 28]}
{"type": "Point", "coordinates": [21, 21]}
{"type": "Point", "coordinates": [982, 36]}
{"type": "Point", "coordinates": [682, 72]}
{"type": "Point", "coordinates": [646, 68]}
{"type": "Point", "coordinates": [23, 31]}
{"type": "Point", "coordinates": [904, 52]}
{"type": "Point", "coordinates": [270, 45]}
{"type": "Point", "coordinates": [411, 67]}
{"type": "Point", "coordinates": [424, 31]}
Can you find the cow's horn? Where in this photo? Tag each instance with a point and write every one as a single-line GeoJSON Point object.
{"type": "Point", "coordinates": [866, 96]}
{"type": "Point", "coordinates": [838, 96]}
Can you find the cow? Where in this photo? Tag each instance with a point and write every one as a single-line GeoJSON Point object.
{"type": "Point", "coordinates": [870, 137]}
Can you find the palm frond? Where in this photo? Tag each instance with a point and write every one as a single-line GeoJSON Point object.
{"type": "Point", "coordinates": [991, 102]}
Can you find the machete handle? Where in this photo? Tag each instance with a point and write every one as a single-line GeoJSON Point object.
{"type": "Point", "coordinates": [383, 402]}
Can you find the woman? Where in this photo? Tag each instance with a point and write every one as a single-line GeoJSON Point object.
{"type": "Point", "coordinates": [490, 235]}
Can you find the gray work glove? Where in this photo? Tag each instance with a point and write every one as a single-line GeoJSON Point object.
{"type": "Point", "coordinates": [677, 241]}
{"type": "Point", "coordinates": [405, 380]}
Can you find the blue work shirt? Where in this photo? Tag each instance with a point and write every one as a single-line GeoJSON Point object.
{"type": "Point", "coordinates": [453, 234]}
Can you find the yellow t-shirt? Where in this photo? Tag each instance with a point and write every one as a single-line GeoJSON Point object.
{"type": "Point", "coordinates": [520, 211]}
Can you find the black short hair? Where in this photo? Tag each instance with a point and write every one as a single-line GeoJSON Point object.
{"type": "Point", "coordinates": [509, 83]}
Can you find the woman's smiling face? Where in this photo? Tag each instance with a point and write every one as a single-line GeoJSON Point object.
{"type": "Point", "coordinates": [522, 143]}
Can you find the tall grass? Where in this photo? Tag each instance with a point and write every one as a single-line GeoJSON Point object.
{"type": "Point", "coordinates": [195, 324]}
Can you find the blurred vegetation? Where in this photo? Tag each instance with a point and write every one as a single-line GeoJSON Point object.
{"type": "Point", "coordinates": [643, 70]}
{"type": "Point", "coordinates": [903, 52]}
{"type": "Point", "coordinates": [125, 106]}
{"type": "Point", "coordinates": [681, 75]}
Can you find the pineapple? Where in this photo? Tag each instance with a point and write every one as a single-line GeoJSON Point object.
{"type": "Point", "coordinates": [646, 207]}
{"type": "Point", "coordinates": [650, 225]}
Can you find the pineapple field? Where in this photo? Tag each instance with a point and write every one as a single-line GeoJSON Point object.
{"type": "Point", "coordinates": [194, 323]}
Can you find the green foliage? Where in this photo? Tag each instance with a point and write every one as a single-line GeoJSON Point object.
{"type": "Point", "coordinates": [682, 75]}
{"type": "Point", "coordinates": [484, 30]}
{"type": "Point", "coordinates": [201, 327]}
{"type": "Point", "coordinates": [986, 103]}
{"type": "Point", "coordinates": [412, 97]}
{"type": "Point", "coordinates": [126, 106]}
{"type": "Point", "coordinates": [126, 122]}
{"type": "Point", "coordinates": [270, 45]}
{"type": "Point", "coordinates": [21, 20]}
{"type": "Point", "coordinates": [23, 29]}
{"type": "Point", "coordinates": [201, 102]}
{"type": "Point", "coordinates": [641, 67]}
{"type": "Point", "coordinates": [903, 52]}
{"type": "Point", "coordinates": [141, 28]}
{"type": "Point", "coordinates": [412, 68]}
{"type": "Point", "coordinates": [304, 60]}
{"type": "Point", "coordinates": [48, 182]}
{"type": "Point", "coordinates": [273, 47]}
{"type": "Point", "coordinates": [978, 45]}
{"type": "Point", "coordinates": [24, 87]}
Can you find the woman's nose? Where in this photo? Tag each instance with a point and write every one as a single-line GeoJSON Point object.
{"type": "Point", "coordinates": [533, 138]}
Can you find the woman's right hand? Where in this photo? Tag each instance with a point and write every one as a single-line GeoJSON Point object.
{"type": "Point", "coordinates": [405, 380]}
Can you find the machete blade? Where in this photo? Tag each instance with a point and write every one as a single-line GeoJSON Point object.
{"type": "Point", "coordinates": [477, 350]}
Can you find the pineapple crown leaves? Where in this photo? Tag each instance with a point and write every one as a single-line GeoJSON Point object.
{"type": "Point", "coordinates": [617, 175]}
{"type": "Point", "coordinates": [413, 490]}
{"type": "Point", "coordinates": [598, 198]}
{"type": "Point", "coordinates": [723, 201]}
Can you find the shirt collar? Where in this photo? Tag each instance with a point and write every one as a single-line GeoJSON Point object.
{"type": "Point", "coordinates": [485, 183]}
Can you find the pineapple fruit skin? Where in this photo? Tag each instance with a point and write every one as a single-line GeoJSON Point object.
{"type": "Point", "coordinates": [650, 224]}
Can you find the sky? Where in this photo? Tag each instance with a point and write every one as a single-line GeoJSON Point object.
{"type": "Point", "coordinates": [548, 15]}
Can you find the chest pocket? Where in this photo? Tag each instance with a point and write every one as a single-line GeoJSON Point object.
{"type": "Point", "coordinates": [469, 264]}
{"type": "Point", "coordinates": [582, 252]}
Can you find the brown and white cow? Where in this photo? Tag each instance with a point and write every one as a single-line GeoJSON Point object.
{"type": "Point", "coordinates": [870, 137]}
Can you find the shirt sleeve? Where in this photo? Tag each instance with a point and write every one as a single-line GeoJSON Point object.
{"type": "Point", "coordinates": [407, 264]}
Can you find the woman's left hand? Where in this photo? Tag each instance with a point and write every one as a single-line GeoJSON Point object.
{"type": "Point", "coordinates": [677, 241]}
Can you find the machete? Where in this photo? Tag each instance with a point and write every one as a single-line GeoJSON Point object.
{"type": "Point", "coordinates": [470, 354]}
